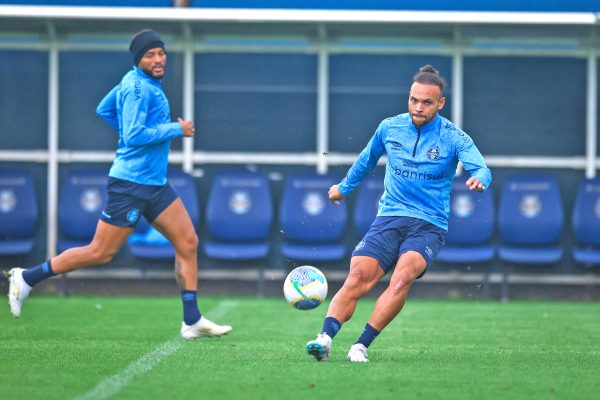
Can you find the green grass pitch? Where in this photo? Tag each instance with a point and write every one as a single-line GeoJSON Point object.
{"type": "Point", "coordinates": [128, 348]}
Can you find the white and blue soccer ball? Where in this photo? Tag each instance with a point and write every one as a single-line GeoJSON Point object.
{"type": "Point", "coordinates": [305, 287]}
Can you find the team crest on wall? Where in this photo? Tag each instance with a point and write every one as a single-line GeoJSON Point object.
{"type": "Point", "coordinates": [313, 203]}
{"type": "Point", "coordinates": [90, 200]}
{"type": "Point", "coordinates": [463, 206]}
{"type": "Point", "coordinates": [240, 202]}
{"type": "Point", "coordinates": [8, 200]}
{"type": "Point", "coordinates": [530, 206]}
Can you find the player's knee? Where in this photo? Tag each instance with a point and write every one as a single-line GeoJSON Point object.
{"type": "Point", "coordinates": [357, 281]}
{"type": "Point", "coordinates": [101, 256]}
{"type": "Point", "coordinates": [106, 258]}
{"type": "Point", "coordinates": [399, 287]}
{"type": "Point", "coordinates": [195, 241]}
{"type": "Point", "coordinates": [189, 244]}
{"type": "Point", "coordinates": [400, 284]}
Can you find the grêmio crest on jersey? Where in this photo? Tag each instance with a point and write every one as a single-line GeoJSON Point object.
{"type": "Point", "coordinates": [433, 153]}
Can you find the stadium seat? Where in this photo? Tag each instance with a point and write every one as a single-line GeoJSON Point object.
{"type": "Point", "coordinates": [530, 219]}
{"type": "Point", "coordinates": [586, 223]}
{"type": "Point", "coordinates": [367, 203]}
{"type": "Point", "coordinates": [81, 200]}
{"type": "Point", "coordinates": [239, 216]}
{"type": "Point", "coordinates": [149, 244]}
{"type": "Point", "coordinates": [18, 213]}
{"type": "Point", "coordinates": [312, 225]}
{"type": "Point", "coordinates": [470, 226]}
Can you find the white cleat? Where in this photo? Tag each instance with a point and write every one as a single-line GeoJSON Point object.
{"type": "Point", "coordinates": [358, 353]}
{"type": "Point", "coordinates": [319, 348]}
{"type": "Point", "coordinates": [18, 290]}
{"type": "Point", "coordinates": [203, 328]}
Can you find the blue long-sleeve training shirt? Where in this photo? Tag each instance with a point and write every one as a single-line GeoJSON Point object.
{"type": "Point", "coordinates": [421, 164]}
{"type": "Point", "coordinates": [138, 109]}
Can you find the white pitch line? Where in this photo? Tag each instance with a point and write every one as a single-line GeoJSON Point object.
{"type": "Point", "coordinates": [115, 383]}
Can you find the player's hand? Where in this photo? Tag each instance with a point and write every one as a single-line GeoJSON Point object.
{"type": "Point", "coordinates": [475, 184]}
{"type": "Point", "coordinates": [334, 195]}
{"type": "Point", "coordinates": [187, 127]}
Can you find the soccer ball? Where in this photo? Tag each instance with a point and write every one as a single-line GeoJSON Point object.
{"type": "Point", "coordinates": [305, 287]}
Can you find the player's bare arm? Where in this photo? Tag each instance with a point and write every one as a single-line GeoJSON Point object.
{"type": "Point", "coordinates": [334, 194]}
{"type": "Point", "coordinates": [474, 184]}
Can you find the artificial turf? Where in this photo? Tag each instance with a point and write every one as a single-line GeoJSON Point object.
{"type": "Point", "coordinates": [128, 348]}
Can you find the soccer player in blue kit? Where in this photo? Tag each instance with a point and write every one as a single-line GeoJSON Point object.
{"type": "Point", "coordinates": [138, 110]}
{"type": "Point", "coordinates": [423, 150]}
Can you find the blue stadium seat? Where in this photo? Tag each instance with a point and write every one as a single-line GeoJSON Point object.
{"type": "Point", "coordinates": [367, 203]}
{"type": "Point", "coordinates": [311, 224]}
{"type": "Point", "coordinates": [239, 216]}
{"type": "Point", "coordinates": [470, 226]}
{"type": "Point", "coordinates": [586, 223]}
{"type": "Point", "coordinates": [149, 244]}
{"type": "Point", "coordinates": [530, 219]}
{"type": "Point", "coordinates": [18, 213]}
{"type": "Point", "coordinates": [81, 200]}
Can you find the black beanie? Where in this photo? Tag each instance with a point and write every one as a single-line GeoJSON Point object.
{"type": "Point", "coordinates": [142, 42]}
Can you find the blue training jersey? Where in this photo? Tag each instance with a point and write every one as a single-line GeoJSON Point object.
{"type": "Point", "coordinates": [421, 164]}
{"type": "Point", "coordinates": [138, 109]}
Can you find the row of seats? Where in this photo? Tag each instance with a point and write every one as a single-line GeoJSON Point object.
{"type": "Point", "coordinates": [239, 217]}
{"type": "Point", "coordinates": [530, 221]}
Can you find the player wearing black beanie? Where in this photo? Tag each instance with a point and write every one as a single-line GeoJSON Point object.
{"type": "Point", "coordinates": [143, 41]}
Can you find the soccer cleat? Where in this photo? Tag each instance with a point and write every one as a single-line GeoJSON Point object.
{"type": "Point", "coordinates": [358, 353]}
{"type": "Point", "coordinates": [18, 290]}
{"type": "Point", "coordinates": [203, 328]}
{"type": "Point", "coordinates": [319, 348]}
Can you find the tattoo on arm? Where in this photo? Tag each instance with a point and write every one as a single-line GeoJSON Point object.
{"type": "Point", "coordinates": [179, 276]}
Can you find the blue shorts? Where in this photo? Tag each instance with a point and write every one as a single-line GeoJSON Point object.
{"type": "Point", "coordinates": [127, 201]}
{"type": "Point", "coordinates": [390, 237]}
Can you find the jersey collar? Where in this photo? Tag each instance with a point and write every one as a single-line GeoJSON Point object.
{"type": "Point", "coordinates": [430, 126]}
{"type": "Point", "coordinates": [143, 74]}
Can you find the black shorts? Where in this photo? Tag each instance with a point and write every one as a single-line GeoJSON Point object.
{"type": "Point", "coordinates": [127, 201]}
